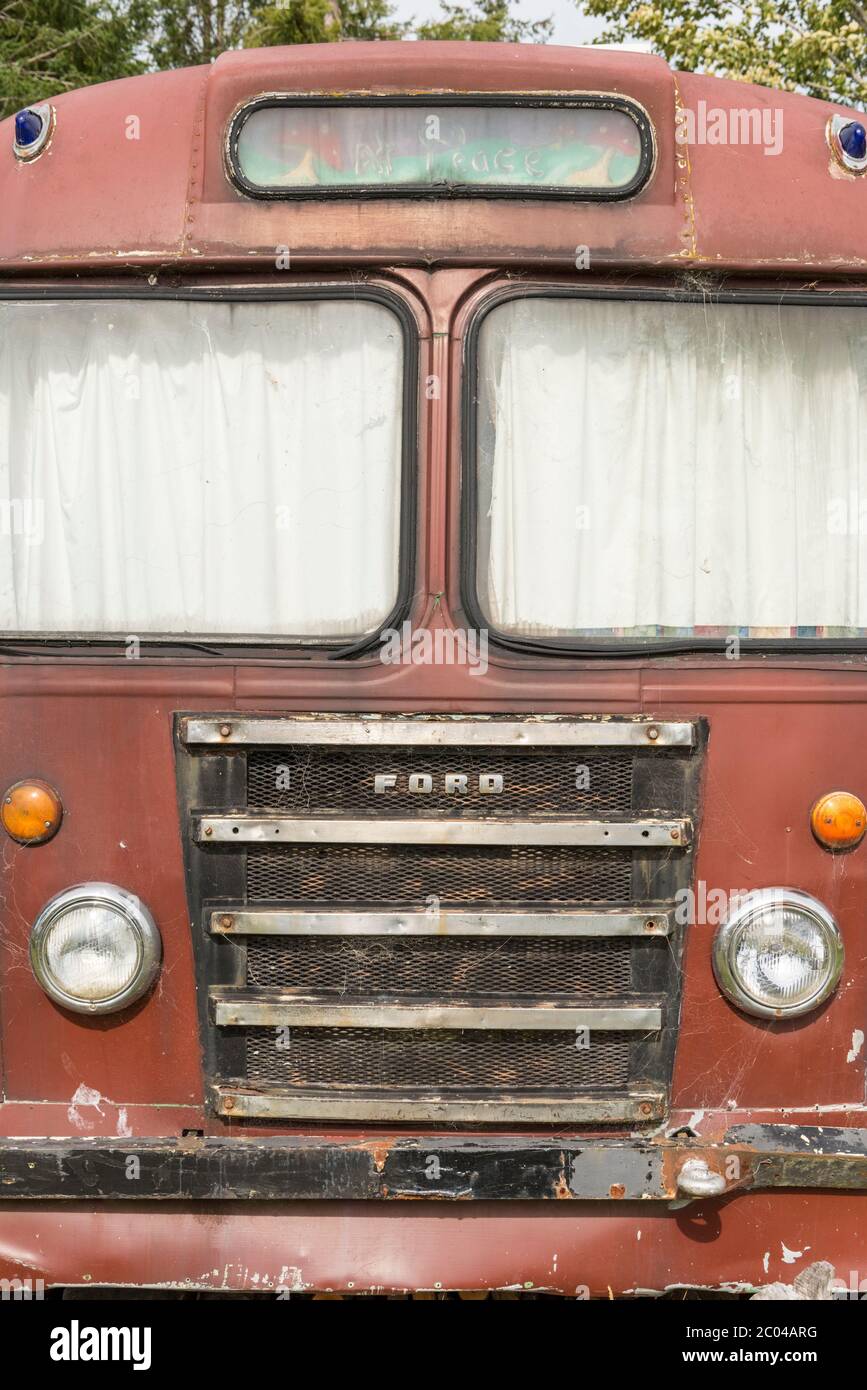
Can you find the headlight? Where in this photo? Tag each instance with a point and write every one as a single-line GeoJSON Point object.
{"type": "Point", "coordinates": [95, 948]}
{"type": "Point", "coordinates": [779, 955]}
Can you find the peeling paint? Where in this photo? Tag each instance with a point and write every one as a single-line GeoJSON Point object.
{"type": "Point", "coordinates": [84, 1095]}
{"type": "Point", "coordinates": [857, 1044]}
{"type": "Point", "coordinates": [790, 1256]}
{"type": "Point", "coordinates": [291, 1280]}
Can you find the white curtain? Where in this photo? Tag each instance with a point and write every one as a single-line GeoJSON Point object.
{"type": "Point", "coordinates": [199, 468]}
{"type": "Point", "coordinates": [657, 468]}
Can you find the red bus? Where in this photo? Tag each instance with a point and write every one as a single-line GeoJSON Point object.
{"type": "Point", "coordinates": [433, 677]}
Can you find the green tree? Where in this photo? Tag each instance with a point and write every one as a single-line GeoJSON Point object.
{"type": "Point", "coordinates": [188, 32]}
{"type": "Point", "coordinates": [323, 21]}
{"type": "Point", "coordinates": [800, 45]}
{"type": "Point", "coordinates": [484, 20]}
{"type": "Point", "coordinates": [52, 46]}
{"type": "Point", "coordinates": [370, 19]}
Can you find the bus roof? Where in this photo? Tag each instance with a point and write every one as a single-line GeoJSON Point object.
{"type": "Point", "coordinates": [135, 174]}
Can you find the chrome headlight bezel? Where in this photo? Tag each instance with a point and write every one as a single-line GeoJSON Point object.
{"type": "Point", "coordinates": [135, 915]}
{"type": "Point", "coordinates": [726, 939]}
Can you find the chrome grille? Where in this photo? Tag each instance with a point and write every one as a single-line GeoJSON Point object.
{"type": "Point", "coordinates": [403, 955]}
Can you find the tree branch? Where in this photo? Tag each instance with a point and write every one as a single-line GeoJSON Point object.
{"type": "Point", "coordinates": [858, 13]}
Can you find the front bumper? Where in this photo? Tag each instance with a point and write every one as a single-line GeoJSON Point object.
{"type": "Point", "coordinates": [193, 1169]}
{"type": "Point", "coordinates": [212, 1215]}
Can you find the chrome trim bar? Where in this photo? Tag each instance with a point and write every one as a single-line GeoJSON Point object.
{"type": "Point", "coordinates": [238, 1008]}
{"type": "Point", "coordinates": [425, 731]}
{"type": "Point", "coordinates": [265, 922]}
{"type": "Point", "coordinates": [602, 1107]}
{"type": "Point", "coordinates": [323, 830]}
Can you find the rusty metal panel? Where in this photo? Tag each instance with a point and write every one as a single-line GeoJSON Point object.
{"type": "Point", "coordinates": [715, 206]}
{"type": "Point", "coordinates": [383, 1247]}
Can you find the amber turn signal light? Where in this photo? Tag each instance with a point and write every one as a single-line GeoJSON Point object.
{"type": "Point", "coordinates": [31, 812]}
{"type": "Point", "coordinates": [839, 820]}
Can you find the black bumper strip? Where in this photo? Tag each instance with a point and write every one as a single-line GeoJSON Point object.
{"type": "Point", "coordinates": [437, 1167]}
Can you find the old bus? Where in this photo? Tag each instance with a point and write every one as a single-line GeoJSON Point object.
{"type": "Point", "coordinates": [434, 699]}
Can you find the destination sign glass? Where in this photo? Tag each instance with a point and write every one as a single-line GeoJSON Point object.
{"type": "Point", "coordinates": [297, 148]}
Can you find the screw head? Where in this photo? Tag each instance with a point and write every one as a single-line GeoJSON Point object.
{"type": "Point", "coordinates": [653, 733]}
{"type": "Point", "coordinates": [228, 1103]}
{"type": "Point", "coordinates": [226, 921]}
{"type": "Point", "coordinates": [225, 730]}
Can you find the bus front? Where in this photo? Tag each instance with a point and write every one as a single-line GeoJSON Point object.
{"type": "Point", "coordinates": [433, 677]}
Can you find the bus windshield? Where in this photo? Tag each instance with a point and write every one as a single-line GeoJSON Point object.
{"type": "Point", "coordinates": [664, 470]}
{"type": "Point", "coordinates": [228, 468]}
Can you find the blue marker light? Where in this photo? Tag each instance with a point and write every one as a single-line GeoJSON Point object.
{"type": "Point", "coordinates": [853, 140]}
{"type": "Point", "coordinates": [848, 141]}
{"type": "Point", "coordinates": [33, 130]}
{"type": "Point", "coordinates": [28, 127]}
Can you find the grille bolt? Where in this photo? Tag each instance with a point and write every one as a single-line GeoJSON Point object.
{"type": "Point", "coordinates": [228, 1103]}
{"type": "Point", "coordinates": [208, 830]}
{"type": "Point", "coordinates": [646, 1109]}
{"type": "Point", "coordinates": [675, 834]}
{"type": "Point", "coordinates": [225, 730]}
{"type": "Point", "coordinates": [617, 1190]}
{"type": "Point", "coordinates": [653, 733]}
{"type": "Point", "coordinates": [226, 922]}
{"type": "Point", "coordinates": [650, 925]}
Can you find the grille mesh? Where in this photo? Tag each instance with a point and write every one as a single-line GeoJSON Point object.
{"type": "Point", "coordinates": [439, 967]}
{"type": "Point", "coordinates": [406, 1059]}
{"type": "Point", "coordinates": [457, 875]}
{"type": "Point", "coordinates": [536, 781]}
